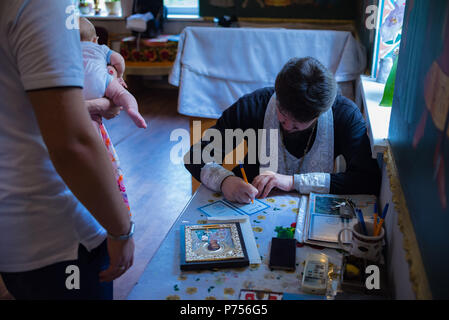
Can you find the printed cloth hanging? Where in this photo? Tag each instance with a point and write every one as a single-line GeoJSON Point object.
{"type": "Point", "coordinates": [160, 50]}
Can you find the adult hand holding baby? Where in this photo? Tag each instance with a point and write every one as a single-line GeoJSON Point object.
{"type": "Point", "coordinates": [102, 108]}
{"type": "Point", "coordinates": [100, 61]}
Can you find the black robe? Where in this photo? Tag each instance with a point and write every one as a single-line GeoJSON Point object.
{"type": "Point", "coordinates": [362, 174]}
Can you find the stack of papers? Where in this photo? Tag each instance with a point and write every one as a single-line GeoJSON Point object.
{"type": "Point", "coordinates": [319, 224]}
{"type": "Point", "coordinates": [227, 208]}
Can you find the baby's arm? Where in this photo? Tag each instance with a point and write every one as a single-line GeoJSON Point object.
{"type": "Point", "coordinates": [113, 72]}
{"type": "Point", "coordinates": [118, 63]}
{"type": "Point", "coordinates": [121, 97]}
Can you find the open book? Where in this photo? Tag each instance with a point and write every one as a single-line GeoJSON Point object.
{"type": "Point", "coordinates": [319, 222]}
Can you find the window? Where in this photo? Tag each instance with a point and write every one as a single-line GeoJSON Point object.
{"type": "Point", "coordinates": [98, 8]}
{"type": "Point", "coordinates": [386, 50]}
{"type": "Point", "coordinates": [388, 38]}
{"type": "Point", "coordinates": [175, 8]}
{"type": "Point", "coordinates": [182, 8]}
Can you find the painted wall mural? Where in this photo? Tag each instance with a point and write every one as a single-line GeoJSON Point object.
{"type": "Point", "coordinates": [436, 95]}
{"type": "Point", "coordinates": [419, 132]}
{"type": "Point", "coordinates": [293, 9]}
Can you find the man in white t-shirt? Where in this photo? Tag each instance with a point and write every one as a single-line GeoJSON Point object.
{"type": "Point", "coordinates": [58, 197]}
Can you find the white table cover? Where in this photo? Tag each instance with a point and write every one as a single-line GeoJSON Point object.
{"type": "Point", "coordinates": [216, 66]}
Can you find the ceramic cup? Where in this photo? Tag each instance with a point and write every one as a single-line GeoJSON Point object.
{"type": "Point", "coordinates": [362, 246]}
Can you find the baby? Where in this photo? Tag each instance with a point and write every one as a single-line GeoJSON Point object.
{"type": "Point", "coordinates": [98, 80]}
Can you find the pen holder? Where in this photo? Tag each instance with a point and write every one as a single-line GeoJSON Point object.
{"type": "Point", "coordinates": [363, 246]}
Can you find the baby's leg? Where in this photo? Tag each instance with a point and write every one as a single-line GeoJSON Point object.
{"type": "Point", "coordinates": [115, 161]}
{"type": "Point", "coordinates": [121, 97]}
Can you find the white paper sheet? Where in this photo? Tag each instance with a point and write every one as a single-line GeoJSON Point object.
{"type": "Point", "coordinates": [249, 209]}
{"type": "Point", "coordinates": [301, 219]}
{"type": "Point", "coordinates": [219, 209]}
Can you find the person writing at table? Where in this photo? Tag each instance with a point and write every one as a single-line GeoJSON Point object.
{"type": "Point", "coordinates": [315, 125]}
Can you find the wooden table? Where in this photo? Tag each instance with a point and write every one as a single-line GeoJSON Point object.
{"type": "Point", "coordinates": [163, 279]}
{"type": "Point", "coordinates": [147, 69]}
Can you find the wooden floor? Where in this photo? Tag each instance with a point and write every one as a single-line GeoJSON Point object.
{"type": "Point", "coordinates": [157, 189]}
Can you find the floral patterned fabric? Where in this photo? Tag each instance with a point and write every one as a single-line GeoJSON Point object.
{"type": "Point", "coordinates": [115, 163]}
{"type": "Point", "coordinates": [159, 50]}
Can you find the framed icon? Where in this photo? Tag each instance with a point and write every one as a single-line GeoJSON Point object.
{"type": "Point", "coordinates": [211, 246]}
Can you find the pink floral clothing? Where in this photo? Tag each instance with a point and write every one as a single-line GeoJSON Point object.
{"type": "Point", "coordinates": [115, 162]}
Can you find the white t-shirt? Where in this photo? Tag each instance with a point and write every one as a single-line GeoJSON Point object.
{"type": "Point", "coordinates": [41, 221]}
{"type": "Point", "coordinates": [96, 77]}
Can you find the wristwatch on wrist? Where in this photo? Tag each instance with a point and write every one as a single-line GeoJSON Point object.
{"type": "Point", "coordinates": [125, 236]}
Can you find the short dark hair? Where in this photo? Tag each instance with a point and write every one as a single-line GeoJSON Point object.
{"type": "Point", "coordinates": [305, 88]}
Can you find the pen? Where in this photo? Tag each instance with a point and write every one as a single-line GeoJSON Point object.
{"type": "Point", "coordinates": [244, 176]}
{"type": "Point", "coordinates": [382, 219]}
{"type": "Point", "coordinates": [375, 218]}
{"type": "Point", "coordinates": [362, 221]}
